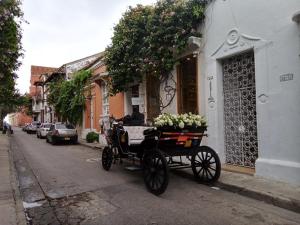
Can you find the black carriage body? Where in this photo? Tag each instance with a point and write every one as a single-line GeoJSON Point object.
{"type": "Point", "coordinates": [156, 154]}
{"type": "Point", "coordinates": [174, 142]}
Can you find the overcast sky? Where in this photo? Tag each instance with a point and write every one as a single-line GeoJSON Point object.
{"type": "Point", "coordinates": [61, 31]}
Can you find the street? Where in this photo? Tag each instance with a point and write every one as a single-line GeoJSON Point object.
{"type": "Point", "coordinates": [65, 184]}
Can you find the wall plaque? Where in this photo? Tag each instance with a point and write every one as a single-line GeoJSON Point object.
{"type": "Point", "coordinates": [286, 77]}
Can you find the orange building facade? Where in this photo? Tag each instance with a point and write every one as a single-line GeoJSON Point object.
{"type": "Point", "coordinates": [20, 119]}
{"type": "Point", "coordinates": [36, 72]}
{"type": "Point", "coordinates": [99, 105]}
{"type": "Point", "coordinates": [36, 91]}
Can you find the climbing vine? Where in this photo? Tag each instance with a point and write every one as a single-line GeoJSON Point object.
{"type": "Point", "coordinates": [67, 96]}
{"type": "Point", "coordinates": [148, 40]}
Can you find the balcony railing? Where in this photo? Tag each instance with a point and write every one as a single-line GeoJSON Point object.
{"type": "Point", "coordinates": [36, 108]}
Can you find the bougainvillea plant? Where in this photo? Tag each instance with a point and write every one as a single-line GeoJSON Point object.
{"type": "Point", "coordinates": [149, 39]}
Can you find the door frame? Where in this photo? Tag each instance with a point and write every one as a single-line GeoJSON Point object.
{"type": "Point", "coordinates": [222, 109]}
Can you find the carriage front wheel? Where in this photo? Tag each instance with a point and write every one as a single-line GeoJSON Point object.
{"type": "Point", "coordinates": [107, 158]}
{"type": "Point", "coordinates": [156, 174]}
{"type": "Point", "coordinates": [206, 165]}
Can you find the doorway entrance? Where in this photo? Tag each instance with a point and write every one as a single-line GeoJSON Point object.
{"type": "Point", "coordinates": [241, 147]}
{"type": "Point", "coordinates": [187, 85]}
{"type": "Point", "coordinates": [153, 97]}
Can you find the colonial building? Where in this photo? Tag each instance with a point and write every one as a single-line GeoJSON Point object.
{"type": "Point", "coordinates": [36, 91]}
{"type": "Point", "coordinates": [19, 118]}
{"type": "Point", "coordinates": [243, 75]}
{"type": "Point", "coordinates": [43, 111]}
{"type": "Point", "coordinates": [251, 79]}
{"type": "Point", "coordinates": [99, 104]}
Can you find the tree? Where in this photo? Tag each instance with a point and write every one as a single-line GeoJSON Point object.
{"type": "Point", "coordinates": [68, 96]}
{"type": "Point", "coordinates": [148, 39]}
{"type": "Point", "coordinates": [11, 18]}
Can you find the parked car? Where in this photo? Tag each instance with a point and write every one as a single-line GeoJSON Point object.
{"type": "Point", "coordinates": [62, 132]}
{"type": "Point", "coordinates": [25, 127]}
{"type": "Point", "coordinates": [33, 127]}
{"type": "Point", "coordinates": [42, 131]}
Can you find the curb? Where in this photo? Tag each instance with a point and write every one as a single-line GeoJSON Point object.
{"type": "Point", "coordinates": [286, 203]}
{"type": "Point", "coordinates": [90, 146]}
{"type": "Point", "coordinates": [20, 212]}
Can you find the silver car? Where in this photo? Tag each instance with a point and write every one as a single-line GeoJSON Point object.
{"type": "Point", "coordinates": [31, 129]}
{"type": "Point", "coordinates": [42, 131]}
{"type": "Point", "coordinates": [62, 132]}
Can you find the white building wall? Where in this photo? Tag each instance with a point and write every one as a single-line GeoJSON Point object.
{"type": "Point", "coordinates": [232, 27]}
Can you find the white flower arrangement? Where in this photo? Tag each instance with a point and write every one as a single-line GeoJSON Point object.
{"type": "Point", "coordinates": [180, 121]}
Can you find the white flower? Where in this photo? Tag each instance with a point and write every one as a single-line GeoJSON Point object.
{"type": "Point", "coordinates": [180, 121]}
{"type": "Point", "coordinates": [198, 123]}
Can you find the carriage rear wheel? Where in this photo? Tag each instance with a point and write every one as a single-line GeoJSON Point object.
{"type": "Point", "coordinates": [107, 158]}
{"type": "Point", "coordinates": [156, 174]}
{"type": "Point", "coordinates": [206, 165]}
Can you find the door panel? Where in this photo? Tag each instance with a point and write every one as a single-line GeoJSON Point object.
{"type": "Point", "coordinates": [153, 97]}
{"type": "Point", "coordinates": [187, 85]}
{"type": "Point", "coordinates": [240, 110]}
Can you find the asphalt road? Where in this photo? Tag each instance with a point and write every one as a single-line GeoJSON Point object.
{"type": "Point", "coordinates": [67, 185]}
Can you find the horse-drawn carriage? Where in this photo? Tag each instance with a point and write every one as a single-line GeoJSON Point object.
{"type": "Point", "coordinates": [161, 149]}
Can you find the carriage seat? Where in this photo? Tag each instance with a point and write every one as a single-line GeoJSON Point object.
{"type": "Point", "coordinates": [135, 134]}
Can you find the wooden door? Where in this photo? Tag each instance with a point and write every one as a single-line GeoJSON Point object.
{"type": "Point", "coordinates": [187, 97]}
{"type": "Point", "coordinates": [153, 97]}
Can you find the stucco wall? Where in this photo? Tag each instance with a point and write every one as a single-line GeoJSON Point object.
{"type": "Point", "coordinates": [116, 105]}
{"type": "Point", "coordinates": [266, 27]}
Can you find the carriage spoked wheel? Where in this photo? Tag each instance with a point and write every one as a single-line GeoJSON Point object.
{"type": "Point", "coordinates": [107, 158]}
{"type": "Point", "coordinates": [156, 174]}
{"type": "Point", "coordinates": [206, 165]}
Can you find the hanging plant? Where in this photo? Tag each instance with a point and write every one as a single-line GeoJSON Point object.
{"type": "Point", "coordinates": [148, 40]}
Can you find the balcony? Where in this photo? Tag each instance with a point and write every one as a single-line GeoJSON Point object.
{"type": "Point", "coordinates": [36, 107]}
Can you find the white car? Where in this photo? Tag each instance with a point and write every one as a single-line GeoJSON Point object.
{"type": "Point", "coordinates": [43, 130]}
{"type": "Point", "coordinates": [32, 128]}
{"type": "Point", "coordinates": [62, 132]}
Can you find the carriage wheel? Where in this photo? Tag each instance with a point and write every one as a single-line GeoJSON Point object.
{"type": "Point", "coordinates": [107, 158]}
{"type": "Point", "coordinates": [206, 165]}
{"type": "Point", "coordinates": [156, 174]}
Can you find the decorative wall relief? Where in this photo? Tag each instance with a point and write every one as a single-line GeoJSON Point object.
{"type": "Point", "coordinates": [211, 100]}
{"type": "Point", "coordinates": [263, 98]}
{"type": "Point", "coordinates": [169, 91]}
{"type": "Point", "coordinates": [235, 41]}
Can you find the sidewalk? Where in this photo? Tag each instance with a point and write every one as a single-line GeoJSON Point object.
{"type": "Point", "coordinates": [11, 209]}
{"type": "Point", "coordinates": [94, 145]}
{"type": "Point", "coordinates": [274, 192]}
